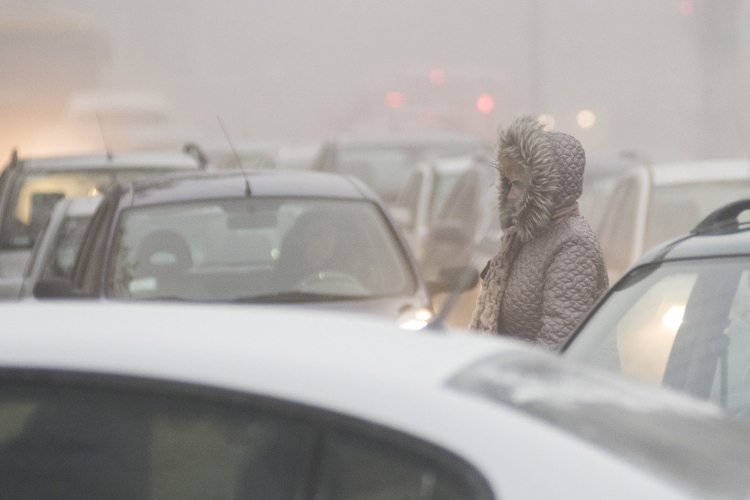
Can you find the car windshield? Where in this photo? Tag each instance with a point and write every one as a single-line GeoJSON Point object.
{"type": "Point", "coordinates": [34, 194]}
{"type": "Point", "coordinates": [676, 210]}
{"type": "Point", "coordinates": [65, 249]}
{"type": "Point", "coordinates": [259, 250]}
{"type": "Point", "coordinates": [386, 169]}
{"type": "Point", "coordinates": [685, 325]}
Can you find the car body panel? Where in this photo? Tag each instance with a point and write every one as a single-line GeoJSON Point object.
{"type": "Point", "coordinates": [362, 369]}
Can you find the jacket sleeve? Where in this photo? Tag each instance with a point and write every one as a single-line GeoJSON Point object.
{"type": "Point", "coordinates": [570, 290]}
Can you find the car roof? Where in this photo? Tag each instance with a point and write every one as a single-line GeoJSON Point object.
{"type": "Point", "coordinates": [116, 161]}
{"type": "Point", "coordinates": [694, 246]}
{"type": "Point", "coordinates": [232, 184]}
{"type": "Point", "coordinates": [422, 383]}
{"type": "Point", "coordinates": [668, 174]}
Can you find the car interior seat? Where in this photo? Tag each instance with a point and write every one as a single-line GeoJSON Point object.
{"type": "Point", "coordinates": [165, 256]}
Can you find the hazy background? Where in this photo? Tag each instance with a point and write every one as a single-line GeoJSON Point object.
{"type": "Point", "coordinates": [666, 78]}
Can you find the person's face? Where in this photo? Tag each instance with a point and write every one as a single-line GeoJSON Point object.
{"type": "Point", "coordinates": [517, 188]}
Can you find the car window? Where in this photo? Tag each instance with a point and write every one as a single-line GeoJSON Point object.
{"type": "Point", "coordinates": [274, 249]}
{"type": "Point", "coordinates": [675, 210]}
{"type": "Point", "coordinates": [409, 196]}
{"type": "Point", "coordinates": [685, 325]}
{"type": "Point", "coordinates": [442, 189]}
{"type": "Point", "coordinates": [64, 251]}
{"type": "Point", "coordinates": [82, 442]}
{"type": "Point", "coordinates": [617, 229]}
{"type": "Point", "coordinates": [385, 170]}
{"type": "Point", "coordinates": [462, 203]}
{"type": "Point", "coordinates": [83, 436]}
{"type": "Point", "coordinates": [34, 194]}
{"type": "Point", "coordinates": [353, 468]}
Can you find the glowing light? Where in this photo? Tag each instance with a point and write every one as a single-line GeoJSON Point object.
{"type": "Point", "coordinates": [395, 99]}
{"type": "Point", "coordinates": [586, 118]}
{"type": "Point", "coordinates": [437, 76]}
{"type": "Point", "coordinates": [686, 8]}
{"type": "Point", "coordinates": [93, 192]}
{"type": "Point", "coordinates": [423, 315]}
{"type": "Point", "coordinates": [673, 318]}
{"type": "Point", "coordinates": [417, 321]}
{"type": "Point", "coordinates": [485, 104]}
{"type": "Point", "coordinates": [414, 324]}
{"type": "Point", "coordinates": [547, 122]}
{"type": "Point", "coordinates": [428, 115]}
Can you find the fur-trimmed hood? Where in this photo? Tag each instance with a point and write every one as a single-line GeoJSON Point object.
{"type": "Point", "coordinates": [552, 165]}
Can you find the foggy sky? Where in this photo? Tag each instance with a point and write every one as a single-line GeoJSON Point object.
{"type": "Point", "coordinates": [287, 69]}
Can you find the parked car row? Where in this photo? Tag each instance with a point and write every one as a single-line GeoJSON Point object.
{"type": "Point", "coordinates": [271, 385]}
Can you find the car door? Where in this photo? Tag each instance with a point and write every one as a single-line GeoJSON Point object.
{"type": "Point", "coordinates": [618, 228]}
{"type": "Point", "coordinates": [84, 435]}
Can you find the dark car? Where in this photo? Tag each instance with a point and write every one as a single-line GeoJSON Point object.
{"type": "Point", "coordinates": [265, 237]}
{"type": "Point", "coordinates": [29, 189]}
{"type": "Point", "coordinates": [385, 163]}
{"type": "Point", "coordinates": [680, 317]}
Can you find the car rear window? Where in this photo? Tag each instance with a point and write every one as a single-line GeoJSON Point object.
{"type": "Point", "coordinates": [34, 194]}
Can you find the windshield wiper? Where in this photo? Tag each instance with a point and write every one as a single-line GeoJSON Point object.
{"type": "Point", "coordinates": [298, 298]}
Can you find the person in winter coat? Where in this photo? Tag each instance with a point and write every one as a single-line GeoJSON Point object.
{"type": "Point", "coordinates": [549, 269]}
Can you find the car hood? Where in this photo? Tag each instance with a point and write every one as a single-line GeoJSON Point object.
{"type": "Point", "coordinates": [692, 443]}
{"type": "Point", "coordinates": [389, 307]}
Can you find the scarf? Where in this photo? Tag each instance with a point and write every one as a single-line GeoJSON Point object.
{"type": "Point", "coordinates": [486, 315]}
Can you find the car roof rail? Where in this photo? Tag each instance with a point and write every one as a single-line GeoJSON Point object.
{"type": "Point", "coordinates": [722, 220]}
{"type": "Point", "coordinates": [196, 152]}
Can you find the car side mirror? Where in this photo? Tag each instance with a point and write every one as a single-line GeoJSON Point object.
{"type": "Point", "coordinates": [458, 279]}
{"type": "Point", "coordinates": [56, 288]}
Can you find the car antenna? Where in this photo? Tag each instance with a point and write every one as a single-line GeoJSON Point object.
{"type": "Point", "coordinates": [236, 156]}
{"type": "Point", "coordinates": [107, 149]}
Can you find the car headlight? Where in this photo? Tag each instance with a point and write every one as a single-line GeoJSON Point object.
{"type": "Point", "coordinates": [416, 320]}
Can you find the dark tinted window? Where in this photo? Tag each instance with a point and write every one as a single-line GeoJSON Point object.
{"type": "Point", "coordinates": [87, 437]}
{"type": "Point", "coordinates": [92, 443]}
{"type": "Point", "coordinates": [354, 469]}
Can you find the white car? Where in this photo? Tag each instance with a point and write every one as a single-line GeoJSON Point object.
{"type": "Point", "coordinates": [653, 204]}
{"type": "Point", "coordinates": [173, 401]}
{"type": "Point", "coordinates": [443, 210]}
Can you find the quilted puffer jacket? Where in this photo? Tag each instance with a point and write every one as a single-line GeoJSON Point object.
{"type": "Point", "coordinates": [559, 271]}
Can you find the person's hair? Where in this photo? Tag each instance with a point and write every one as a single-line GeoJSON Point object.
{"type": "Point", "coordinates": [510, 168]}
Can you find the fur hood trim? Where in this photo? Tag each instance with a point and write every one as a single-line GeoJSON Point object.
{"type": "Point", "coordinates": [526, 143]}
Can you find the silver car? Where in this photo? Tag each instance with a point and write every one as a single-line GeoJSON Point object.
{"type": "Point", "coordinates": [30, 188]}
